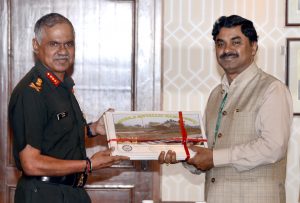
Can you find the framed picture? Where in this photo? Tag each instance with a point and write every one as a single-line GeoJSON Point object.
{"type": "Point", "coordinates": [142, 135]}
{"type": "Point", "coordinates": [293, 71]}
{"type": "Point", "coordinates": [292, 13]}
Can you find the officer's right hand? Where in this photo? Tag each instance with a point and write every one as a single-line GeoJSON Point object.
{"type": "Point", "coordinates": [169, 158]}
{"type": "Point", "coordinates": [104, 159]}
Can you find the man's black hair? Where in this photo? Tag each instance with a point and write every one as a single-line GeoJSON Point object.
{"type": "Point", "coordinates": [247, 27]}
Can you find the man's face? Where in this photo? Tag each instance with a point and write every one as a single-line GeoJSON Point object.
{"type": "Point", "coordinates": [234, 51]}
{"type": "Point", "coordinates": [57, 48]}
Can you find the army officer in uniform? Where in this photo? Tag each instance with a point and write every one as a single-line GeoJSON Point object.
{"type": "Point", "coordinates": [48, 126]}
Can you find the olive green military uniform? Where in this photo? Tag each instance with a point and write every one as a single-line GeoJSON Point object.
{"type": "Point", "coordinates": [44, 113]}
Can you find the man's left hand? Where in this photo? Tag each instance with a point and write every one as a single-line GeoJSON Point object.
{"type": "Point", "coordinates": [203, 158]}
{"type": "Point", "coordinates": [98, 127]}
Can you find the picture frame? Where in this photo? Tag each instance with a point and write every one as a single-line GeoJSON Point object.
{"type": "Point", "coordinates": [143, 135]}
{"type": "Point", "coordinates": [292, 13]}
{"type": "Point", "coordinates": [293, 71]}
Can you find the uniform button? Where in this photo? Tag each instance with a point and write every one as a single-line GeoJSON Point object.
{"type": "Point", "coordinates": [224, 113]}
{"type": "Point", "coordinates": [237, 110]}
{"type": "Point", "coordinates": [220, 135]}
{"type": "Point", "coordinates": [35, 190]}
{"type": "Point", "coordinates": [213, 180]}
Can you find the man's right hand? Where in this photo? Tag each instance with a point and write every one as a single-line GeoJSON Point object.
{"type": "Point", "coordinates": [104, 159]}
{"type": "Point", "coordinates": [36, 164]}
{"type": "Point", "coordinates": [169, 158]}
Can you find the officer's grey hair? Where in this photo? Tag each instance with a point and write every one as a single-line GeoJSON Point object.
{"type": "Point", "coordinates": [49, 20]}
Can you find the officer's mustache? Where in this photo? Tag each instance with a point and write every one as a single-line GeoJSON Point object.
{"type": "Point", "coordinates": [60, 57]}
{"type": "Point", "coordinates": [230, 54]}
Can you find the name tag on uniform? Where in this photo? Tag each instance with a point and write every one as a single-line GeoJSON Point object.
{"type": "Point", "coordinates": [61, 115]}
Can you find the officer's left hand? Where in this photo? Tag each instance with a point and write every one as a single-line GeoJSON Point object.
{"type": "Point", "coordinates": [203, 158]}
{"type": "Point", "coordinates": [98, 127]}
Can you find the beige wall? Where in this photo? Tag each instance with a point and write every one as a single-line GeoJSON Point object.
{"type": "Point", "coordinates": [190, 71]}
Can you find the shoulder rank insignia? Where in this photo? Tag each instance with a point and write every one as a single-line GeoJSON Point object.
{"type": "Point", "coordinates": [37, 85]}
{"type": "Point", "coordinates": [53, 79]}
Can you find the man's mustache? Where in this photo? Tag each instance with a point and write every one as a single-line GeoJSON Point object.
{"type": "Point", "coordinates": [60, 57]}
{"type": "Point", "coordinates": [230, 54]}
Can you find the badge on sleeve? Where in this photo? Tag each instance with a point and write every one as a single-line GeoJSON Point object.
{"type": "Point", "coordinates": [62, 115]}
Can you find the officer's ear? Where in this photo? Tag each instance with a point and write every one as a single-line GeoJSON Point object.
{"type": "Point", "coordinates": [35, 45]}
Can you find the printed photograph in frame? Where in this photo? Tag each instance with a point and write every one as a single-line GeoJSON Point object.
{"type": "Point", "coordinates": [142, 135]}
{"type": "Point", "coordinates": [293, 71]}
{"type": "Point", "coordinates": [292, 13]}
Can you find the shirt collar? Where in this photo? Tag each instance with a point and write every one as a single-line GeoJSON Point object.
{"type": "Point", "coordinates": [242, 79]}
{"type": "Point", "coordinates": [51, 78]}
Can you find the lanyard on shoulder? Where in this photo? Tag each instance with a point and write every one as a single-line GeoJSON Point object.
{"type": "Point", "coordinates": [219, 117]}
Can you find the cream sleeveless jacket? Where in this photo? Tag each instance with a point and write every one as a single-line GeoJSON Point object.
{"type": "Point", "coordinates": [264, 183]}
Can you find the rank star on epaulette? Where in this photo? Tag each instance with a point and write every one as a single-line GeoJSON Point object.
{"type": "Point", "coordinates": [39, 82]}
{"type": "Point", "coordinates": [32, 85]}
{"type": "Point", "coordinates": [37, 85]}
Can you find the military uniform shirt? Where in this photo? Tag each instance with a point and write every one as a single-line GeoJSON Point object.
{"type": "Point", "coordinates": [46, 117]}
{"type": "Point", "coordinates": [44, 114]}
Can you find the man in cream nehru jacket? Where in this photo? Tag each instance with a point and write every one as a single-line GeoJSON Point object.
{"type": "Point", "coordinates": [248, 120]}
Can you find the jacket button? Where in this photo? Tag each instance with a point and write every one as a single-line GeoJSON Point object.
{"type": "Point", "coordinates": [237, 110]}
{"type": "Point", "coordinates": [224, 113]}
{"type": "Point", "coordinates": [213, 180]}
{"type": "Point", "coordinates": [220, 135]}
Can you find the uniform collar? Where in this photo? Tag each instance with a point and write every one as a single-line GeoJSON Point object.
{"type": "Point", "coordinates": [68, 82]}
{"type": "Point", "coordinates": [242, 79]}
{"type": "Point", "coordinates": [51, 78]}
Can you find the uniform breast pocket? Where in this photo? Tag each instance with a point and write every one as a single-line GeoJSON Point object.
{"type": "Point", "coordinates": [63, 122]}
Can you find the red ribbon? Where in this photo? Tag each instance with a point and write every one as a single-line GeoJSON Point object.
{"type": "Point", "coordinates": [175, 139]}
{"type": "Point", "coordinates": [184, 136]}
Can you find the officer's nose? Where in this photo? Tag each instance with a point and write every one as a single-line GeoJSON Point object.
{"type": "Point", "coordinates": [62, 49]}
